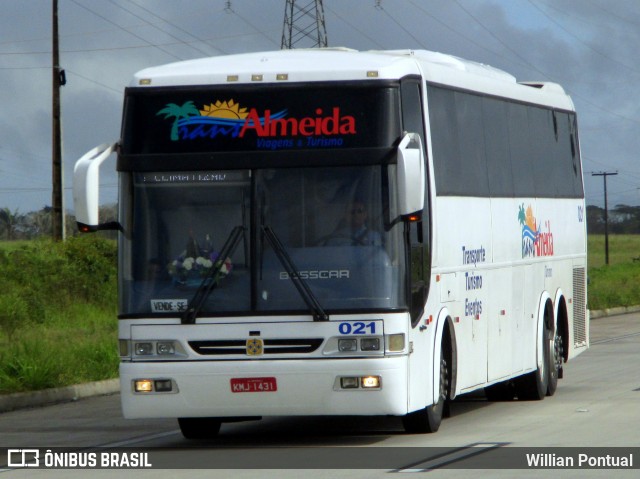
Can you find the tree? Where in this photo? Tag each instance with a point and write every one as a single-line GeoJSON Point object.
{"type": "Point", "coordinates": [10, 221]}
{"type": "Point", "coordinates": [595, 219]}
{"type": "Point", "coordinates": [626, 219]}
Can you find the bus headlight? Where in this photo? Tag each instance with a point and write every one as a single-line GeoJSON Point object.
{"type": "Point", "coordinates": [165, 347]}
{"type": "Point", "coordinates": [144, 349]}
{"type": "Point", "coordinates": [143, 386]}
{"type": "Point", "coordinates": [365, 346]}
{"type": "Point", "coordinates": [349, 383]}
{"type": "Point", "coordinates": [370, 382]}
{"type": "Point", "coordinates": [370, 344]}
{"type": "Point", "coordinates": [153, 386]}
{"type": "Point", "coordinates": [357, 382]}
{"type": "Point", "coordinates": [347, 345]}
{"type": "Point", "coordinates": [156, 349]}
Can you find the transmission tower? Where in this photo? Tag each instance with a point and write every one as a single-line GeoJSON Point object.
{"type": "Point", "coordinates": [303, 25]}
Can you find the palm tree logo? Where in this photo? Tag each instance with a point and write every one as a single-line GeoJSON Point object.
{"type": "Point", "coordinates": [178, 112]}
{"type": "Point", "coordinates": [521, 215]}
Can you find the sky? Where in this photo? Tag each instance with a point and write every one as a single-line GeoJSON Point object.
{"type": "Point", "coordinates": [590, 47]}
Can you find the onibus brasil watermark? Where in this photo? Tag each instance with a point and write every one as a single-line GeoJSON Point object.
{"type": "Point", "coordinates": [35, 458]}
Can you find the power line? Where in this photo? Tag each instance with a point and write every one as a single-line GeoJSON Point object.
{"type": "Point", "coordinates": [383, 10]}
{"type": "Point", "coordinates": [493, 35]}
{"type": "Point", "coordinates": [260, 32]}
{"type": "Point", "coordinates": [124, 29]}
{"type": "Point", "coordinates": [587, 45]}
{"type": "Point", "coordinates": [95, 82]}
{"type": "Point", "coordinates": [157, 27]}
{"type": "Point", "coordinates": [355, 28]}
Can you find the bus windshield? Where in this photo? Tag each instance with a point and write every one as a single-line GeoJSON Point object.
{"type": "Point", "coordinates": [333, 223]}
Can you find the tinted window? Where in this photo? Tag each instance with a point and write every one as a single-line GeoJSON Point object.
{"type": "Point", "coordinates": [496, 138]}
{"type": "Point", "coordinates": [444, 139]}
{"type": "Point", "coordinates": [484, 146]}
{"type": "Point", "coordinates": [458, 143]}
{"type": "Point", "coordinates": [520, 150]}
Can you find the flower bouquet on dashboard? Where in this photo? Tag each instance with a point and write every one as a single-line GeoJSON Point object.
{"type": "Point", "coordinates": [197, 262]}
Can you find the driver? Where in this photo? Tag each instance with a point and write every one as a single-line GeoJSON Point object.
{"type": "Point", "coordinates": [356, 231]}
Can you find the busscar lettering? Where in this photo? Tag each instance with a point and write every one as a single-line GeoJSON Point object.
{"type": "Point", "coordinates": [319, 274]}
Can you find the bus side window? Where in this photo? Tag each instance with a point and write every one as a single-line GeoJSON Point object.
{"type": "Point", "coordinates": [419, 271]}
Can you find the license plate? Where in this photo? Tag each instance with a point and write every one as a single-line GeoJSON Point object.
{"type": "Point", "coordinates": [253, 385]}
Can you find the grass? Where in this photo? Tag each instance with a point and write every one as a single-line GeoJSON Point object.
{"type": "Point", "coordinates": [622, 250]}
{"type": "Point", "coordinates": [58, 306]}
{"type": "Point", "coordinates": [57, 313]}
{"type": "Point", "coordinates": [617, 284]}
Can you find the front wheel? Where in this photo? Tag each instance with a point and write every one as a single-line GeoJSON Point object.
{"type": "Point", "coordinates": [199, 427]}
{"type": "Point", "coordinates": [429, 419]}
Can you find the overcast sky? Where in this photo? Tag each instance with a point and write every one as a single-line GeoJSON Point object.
{"type": "Point", "coordinates": [591, 47]}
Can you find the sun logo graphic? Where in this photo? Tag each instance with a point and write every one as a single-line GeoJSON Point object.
{"type": "Point", "coordinates": [225, 109]}
{"type": "Point", "coordinates": [220, 118]}
{"type": "Point", "coordinates": [535, 242]}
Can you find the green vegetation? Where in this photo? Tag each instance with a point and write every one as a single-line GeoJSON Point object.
{"type": "Point", "coordinates": [619, 283]}
{"type": "Point", "coordinates": [58, 306]}
{"type": "Point", "coordinates": [57, 313]}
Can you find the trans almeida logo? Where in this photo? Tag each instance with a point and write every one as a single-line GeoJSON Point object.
{"type": "Point", "coordinates": [229, 119]}
{"type": "Point", "coordinates": [535, 241]}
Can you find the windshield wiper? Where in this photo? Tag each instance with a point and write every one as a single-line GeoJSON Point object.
{"type": "Point", "coordinates": [211, 280]}
{"type": "Point", "coordinates": [303, 288]}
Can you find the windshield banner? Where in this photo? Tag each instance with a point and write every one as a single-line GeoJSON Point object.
{"type": "Point", "coordinates": [198, 120]}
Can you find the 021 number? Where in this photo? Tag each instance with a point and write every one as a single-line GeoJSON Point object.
{"type": "Point", "coordinates": [357, 327]}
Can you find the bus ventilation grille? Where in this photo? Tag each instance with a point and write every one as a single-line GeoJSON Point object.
{"type": "Point", "coordinates": [271, 346]}
{"type": "Point", "coordinates": [579, 308]}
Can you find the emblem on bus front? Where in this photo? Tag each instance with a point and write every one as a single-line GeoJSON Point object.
{"type": "Point", "coordinates": [255, 347]}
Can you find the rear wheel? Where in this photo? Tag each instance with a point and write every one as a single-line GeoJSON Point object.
{"type": "Point", "coordinates": [555, 366]}
{"type": "Point", "coordinates": [199, 427]}
{"type": "Point", "coordinates": [534, 386]}
{"type": "Point", "coordinates": [429, 418]}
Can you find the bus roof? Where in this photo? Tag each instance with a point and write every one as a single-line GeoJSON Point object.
{"type": "Point", "coordinates": [343, 64]}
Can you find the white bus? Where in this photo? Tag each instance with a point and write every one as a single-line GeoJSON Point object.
{"type": "Point", "coordinates": [333, 232]}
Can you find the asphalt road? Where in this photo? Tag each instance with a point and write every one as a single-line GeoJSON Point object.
{"type": "Point", "coordinates": [595, 407]}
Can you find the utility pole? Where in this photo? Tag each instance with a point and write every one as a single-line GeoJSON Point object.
{"type": "Point", "coordinates": [604, 175]}
{"type": "Point", "coordinates": [56, 155]}
{"type": "Point", "coordinates": [303, 21]}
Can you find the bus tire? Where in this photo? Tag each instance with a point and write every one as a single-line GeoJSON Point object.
{"type": "Point", "coordinates": [555, 366]}
{"type": "Point", "coordinates": [199, 427]}
{"type": "Point", "coordinates": [428, 419]}
{"type": "Point", "coordinates": [534, 385]}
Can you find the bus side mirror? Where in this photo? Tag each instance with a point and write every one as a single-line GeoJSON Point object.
{"type": "Point", "coordinates": [86, 189]}
{"type": "Point", "coordinates": [411, 175]}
